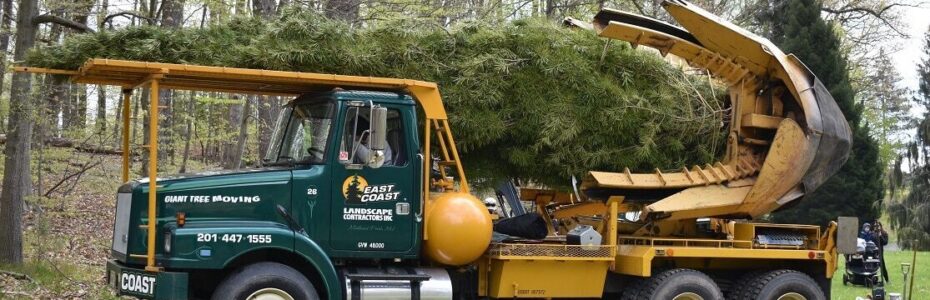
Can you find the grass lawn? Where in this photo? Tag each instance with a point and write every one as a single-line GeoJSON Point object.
{"type": "Point", "coordinates": [893, 260]}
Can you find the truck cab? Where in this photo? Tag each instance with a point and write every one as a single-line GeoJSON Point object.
{"type": "Point", "coordinates": [324, 198]}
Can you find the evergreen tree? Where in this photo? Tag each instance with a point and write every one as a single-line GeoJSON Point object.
{"type": "Point", "coordinates": [354, 194]}
{"type": "Point", "coordinates": [908, 216]}
{"type": "Point", "coordinates": [887, 107]}
{"type": "Point", "coordinates": [857, 188]}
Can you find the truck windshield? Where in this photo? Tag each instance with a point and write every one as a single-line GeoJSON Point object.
{"type": "Point", "coordinates": [300, 134]}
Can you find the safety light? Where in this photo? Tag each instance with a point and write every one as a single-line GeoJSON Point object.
{"type": "Point", "coordinates": [167, 241]}
{"type": "Point", "coordinates": [180, 218]}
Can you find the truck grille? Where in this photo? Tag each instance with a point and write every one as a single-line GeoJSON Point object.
{"type": "Point", "coordinates": [121, 223]}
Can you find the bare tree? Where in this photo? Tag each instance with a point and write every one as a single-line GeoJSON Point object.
{"type": "Point", "coordinates": [188, 132]}
{"type": "Point", "coordinates": [101, 120]}
{"type": "Point", "coordinates": [236, 163]}
{"type": "Point", "coordinates": [17, 174]}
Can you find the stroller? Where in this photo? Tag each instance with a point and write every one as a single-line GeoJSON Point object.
{"type": "Point", "coordinates": [863, 267]}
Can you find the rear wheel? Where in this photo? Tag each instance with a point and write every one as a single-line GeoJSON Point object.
{"type": "Point", "coordinates": [265, 281]}
{"type": "Point", "coordinates": [785, 285]}
{"type": "Point", "coordinates": [680, 284]}
{"type": "Point", "coordinates": [741, 288]}
{"type": "Point", "coordinates": [631, 291]}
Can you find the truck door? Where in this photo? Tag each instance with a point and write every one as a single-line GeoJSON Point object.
{"type": "Point", "coordinates": [301, 137]}
{"type": "Point", "coordinates": [374, 209]}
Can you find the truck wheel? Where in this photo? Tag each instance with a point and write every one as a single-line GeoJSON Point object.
{"type": "Point", "coordinates": [785, 285]}
{"type": "Point", "coordinates": [265, 281]}
{"type": "Point", "coordinates": [631, 291]}
{"type": "Point", "coordinates": [740, 289]}
{"type": "Point", "coordinates": [680, 284]}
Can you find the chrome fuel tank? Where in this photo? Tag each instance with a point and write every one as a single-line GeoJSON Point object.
{"type": "Point", "coordinates": [397, 283]}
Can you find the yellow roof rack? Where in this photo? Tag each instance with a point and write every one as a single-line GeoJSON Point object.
{"type": "Point", "coordinates": [131, 74]}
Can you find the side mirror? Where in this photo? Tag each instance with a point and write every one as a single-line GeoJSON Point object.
{"type": "Point", "coordinates": [378, 138]}
{"type": "Point", "coordinates": [378, 129]}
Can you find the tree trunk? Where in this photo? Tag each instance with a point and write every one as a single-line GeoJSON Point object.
{"type": "Point", "coordinates": [264, 8]}
{"type": "Point", "coordinates": [152, 8]}
{"type": "Point", "coordinates": [343, 10]}
{"type": "Point", "coordinates": [172, 16]}
{"type": "Point", "coordinates": [118, 120]}
{"type": "Point", "coordinates": [211, 120]}
{"type": "Point", "coordinates": [240, 7]}
{"type": "Point", "coordinates": [238, 117]}
{"type": "Point", "coordinates": [57, 96]}
{"type": "Point", "coordinates": [67, 107]}
{"type": "Point", "coordinates": [268, 109]}
{"type": "Point", "coordinates": [172, 13]}
{"type": "Point", "coordinates": [134, 121]}
{"type": "Point", "coordinates": [101, 120]}
{"type": "Point", "coordinates": [188, 132]}
{"type": "Point", "coordinates": [243, 131]}
{"type": "Point", "coordinates": [144, 108]}
{"type": "Point", "coordinates": [5, 20]}
{"type": "Point", "coordinates": [17, 179]}
{"type": "Point", "coordinates": [80, 103]}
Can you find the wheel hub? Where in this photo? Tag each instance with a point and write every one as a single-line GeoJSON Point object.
{"type": "Point", "coordinates": [792, 296]}
{"type": "Point", "coordinates": [270, 294]}
{"type": "Point", "coordinates": [688, 296]}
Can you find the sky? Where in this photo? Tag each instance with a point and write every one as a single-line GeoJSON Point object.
{"type": "Point", "coordinates": [910, 54]}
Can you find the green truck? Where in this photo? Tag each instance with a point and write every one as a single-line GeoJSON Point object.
{"type": "Point", "coordinates": [362, 194]}
{"type": "Point", "coordinates": [281, 221]}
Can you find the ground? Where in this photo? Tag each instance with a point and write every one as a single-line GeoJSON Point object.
{"type": "Point", "coordinates": [67, 237]}
{"type": "Point", "coordinates": [893, 260]}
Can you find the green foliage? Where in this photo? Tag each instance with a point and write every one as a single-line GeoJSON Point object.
{"type": "Point", "coordinates": [857, 188]}
{"type": "Point", "coordinates": [528, 99]}
{"type": "Point", "coordinates": [887, 108]}
{"type": "Point", "coordinates": [910, 216]}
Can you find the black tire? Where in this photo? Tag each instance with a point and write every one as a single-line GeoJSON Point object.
{"type": "Point", "coordinates": [675, 282]}
{"type": "Point", "coordinates": [631, 292]}
{"type": "Point", "coordinates": [775, 284]}
{"type": "Point", "coordinates": [740, 289]}
{"type": "Point", "coordinates": [275, 277]}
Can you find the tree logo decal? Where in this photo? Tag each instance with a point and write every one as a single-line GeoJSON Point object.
{"type": "Point", "coordinates": [352, 188]}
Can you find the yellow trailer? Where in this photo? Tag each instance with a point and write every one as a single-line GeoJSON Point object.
{"type": "Point", "coordinates": [685, 234]}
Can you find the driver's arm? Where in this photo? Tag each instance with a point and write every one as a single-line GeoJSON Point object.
{"type": "Point", "coordinates": [362, 154]}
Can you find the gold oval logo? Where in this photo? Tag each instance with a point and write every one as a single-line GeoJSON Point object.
{"type": "Point", "coordinates": [353, 187]}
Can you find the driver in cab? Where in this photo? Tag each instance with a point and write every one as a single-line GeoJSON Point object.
{"type": "Point", "coordinates": [363, 152]}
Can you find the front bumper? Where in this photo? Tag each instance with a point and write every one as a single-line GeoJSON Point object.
{"type": "Point", "coordinates": [130, 281]}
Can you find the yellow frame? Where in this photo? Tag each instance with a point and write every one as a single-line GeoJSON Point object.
{"type": "Point", "coordinates": [132, 74]}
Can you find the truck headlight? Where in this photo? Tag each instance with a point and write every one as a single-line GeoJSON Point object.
{"type": "Point", "coordinates": [167, 241]}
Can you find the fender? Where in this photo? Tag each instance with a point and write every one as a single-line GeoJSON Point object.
{"type": "Point", "coordinates": [315, 255]}
{"type": "Point", "coordinates": [217, 244]}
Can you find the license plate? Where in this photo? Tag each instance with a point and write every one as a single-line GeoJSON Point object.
{"type": "Point", "coordinates": [134, 283]}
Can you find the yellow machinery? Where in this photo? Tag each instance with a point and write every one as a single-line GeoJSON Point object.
{"type": "Point", "coordinates": [786, 137]}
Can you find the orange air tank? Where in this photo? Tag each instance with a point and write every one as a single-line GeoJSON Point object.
{"type": "Point", "coordinates": [459, 229]}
